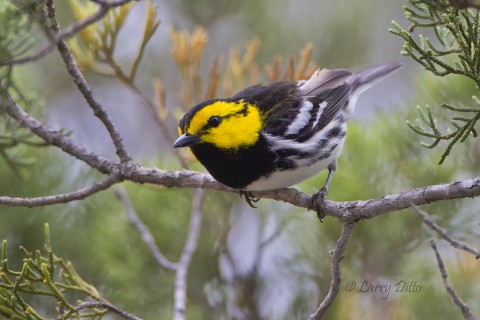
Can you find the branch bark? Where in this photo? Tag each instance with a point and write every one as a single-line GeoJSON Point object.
{"type": "Point", "coordinates": [62, 198]}
{"type": "Point", "coordinates": [467, 314]}
{"type": "Point", "coordinates": [106, 305]}
{"type": "Point", "coordinates": [180, 291]}
{"type": "Point", "coordinates": [336, 271]}
{"type": "Point", "coordinates": [345, 211]}
{"type": "Point", "coordinates": [181, 267]}
{"type": "Point", "coordinates": [84, 88]}
{"type": "Point", "coordinates": [144, 232]}
{"type": "Point", "coordinates": [444, 234]}
{"type": "Point", "coordinates": [54, 137]}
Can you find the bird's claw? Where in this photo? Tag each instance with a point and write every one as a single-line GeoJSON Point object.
{"type": "Point", "coordinates": [249, 197]}
{"type": "Point", "coordinates": [317, 203]}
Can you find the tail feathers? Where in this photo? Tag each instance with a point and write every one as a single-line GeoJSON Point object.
{"type": "Point", "coordinates": [369, 76]}
{"type": "Point", "coordinates": [324, 79]}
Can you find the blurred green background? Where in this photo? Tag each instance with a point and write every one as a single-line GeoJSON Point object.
{"type": "Point", "coordinates": [231, 277]}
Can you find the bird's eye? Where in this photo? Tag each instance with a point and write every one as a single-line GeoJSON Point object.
{"type": "Point", "coordinates": [214, 121]}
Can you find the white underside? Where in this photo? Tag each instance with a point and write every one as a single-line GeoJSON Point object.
{"type": "Point", "coordinates": [283, 179]}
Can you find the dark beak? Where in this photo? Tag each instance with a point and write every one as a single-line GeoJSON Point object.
{"type": "Point", "coordinates": [186, 140]}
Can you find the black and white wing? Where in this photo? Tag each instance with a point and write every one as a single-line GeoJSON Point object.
{"type": "Point", "coordinates": [329, 92]}
{"type": "Point", "coordinates": [323, 96]}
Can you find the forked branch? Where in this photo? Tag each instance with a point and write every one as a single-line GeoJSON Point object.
{"type": "Point", "coordinates": [181, 267]}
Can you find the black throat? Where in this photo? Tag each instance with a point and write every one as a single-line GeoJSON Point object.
{"type": "Point", "coordinates": [236, 168]}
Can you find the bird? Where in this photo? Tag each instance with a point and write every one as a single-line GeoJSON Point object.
{"type": "Point", "coordinates": [276, 134]}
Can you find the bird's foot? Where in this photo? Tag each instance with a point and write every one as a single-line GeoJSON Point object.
{"type": "Point", "coordinates": [317, 203]}
{"type": "Point", "coordinates": [249, 197]}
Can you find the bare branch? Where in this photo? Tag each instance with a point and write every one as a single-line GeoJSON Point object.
{"type": "Point", "coordinates": [180, 268]}
{"type": "Point", "coordinates": [180, 293]}
{"type": "Point", "coordinates": [85, 89]}
{"type": "Point", "coordinates": [443, 233]}
{"type": "Point", "coordinates": [144, 232]}
{"type": "Point", "coordinates": [345, 211]}
{"type": "Point", "coordinates": [53, 137]}
{"type": "Point", "coordinates": [69, 31]}
{"type": "Point", "coordinates": [106, 305]}
{"type": "Point", "coordinates": [467, 314]}
{"type": "Point", "coordinates": [65, 197]}
{"type": "Point", "coordinates": [336, 271]}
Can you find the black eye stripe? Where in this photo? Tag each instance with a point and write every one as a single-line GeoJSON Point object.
{"type": "Point", "coordinates": [214, 121]}
{"type": "Point", "coordinates": [243, 111]}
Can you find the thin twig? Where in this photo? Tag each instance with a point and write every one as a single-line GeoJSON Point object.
{"type": "Point", "coordinates": [69, 32]}
{"type": "Point", "coordinates": [62, 198]}
{"type": "Point", "coordinates": [280, 228]}
{"type": "Point", "coordinates": [54, 137]}
{"type": "Point", "coordinates": [264, 241]}
{"type": "Point", "coordinates": [150, 106]}
{"type": "Point", "coordinates": [335, 270]}
{"type": "Point", "coordinates": [467, 314]}
{"type": "Point", "coordinates": [180, 293]}
{"type": "Point", "coordinates": [144, 232]}
{"type": "Point", "coordinates": [443, 233]}
{"type": "Point", "coordinates": [85, 89]}
{"type": "Point", "coordinates": [110, 307]}
{"type": "Point", "coordinates": [182, 266]}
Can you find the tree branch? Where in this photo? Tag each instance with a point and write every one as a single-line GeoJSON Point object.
{"type": "Point", "coordinates": [467, 314]}
{"type": "Point", "coordinates": [150, 106]}
{"type": "Point", "coordinates": [85, 89]}
{"type": "Point", "coordinates": [53, 137]}
{"type": "Point", "coordinates": [181, 267]}
{"type": "Point", "coordinates": [180, 293]}
{"type": "Point", "coordinates": [336, 271]}
{"type": "Point", "coordinates": [65, 197]}
{"type": "Point", "coordinates": [105, 305]}
{"type": "Point", "coordinates": [443, 233]}
{"type": "Point", "coordinates": [144, 232]}
{"type": "Point", "coordinates": [345, 211]}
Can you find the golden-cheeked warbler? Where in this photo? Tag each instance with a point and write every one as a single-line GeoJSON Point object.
{"type": "Point", "coordinates": [274, 135]}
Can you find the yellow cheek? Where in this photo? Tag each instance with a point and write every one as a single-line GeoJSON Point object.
{"type": "Point", "coordinates": [180, 132]}
{"type": "Point", "coordinates": [237, 131]}
{"type": "Point", "coordinates": [219, 108]}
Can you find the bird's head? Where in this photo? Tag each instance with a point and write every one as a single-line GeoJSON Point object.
{"type": "Point", "coordinates": [228, 125]}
